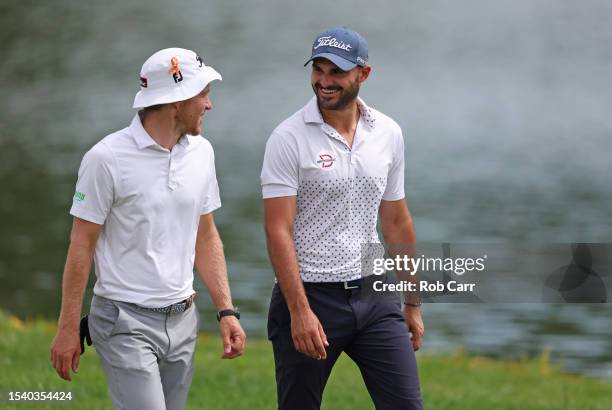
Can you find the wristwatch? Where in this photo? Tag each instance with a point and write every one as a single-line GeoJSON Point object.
{"type": "Point", "coordinates": [228, 312]}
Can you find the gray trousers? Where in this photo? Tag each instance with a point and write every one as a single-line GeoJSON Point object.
{"type": "Point", "coordinates": [147, 356]}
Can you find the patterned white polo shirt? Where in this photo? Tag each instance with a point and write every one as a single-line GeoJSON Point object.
{"type": "Point", "coordinates": [338, 188]}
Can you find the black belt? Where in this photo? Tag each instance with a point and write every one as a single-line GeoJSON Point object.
{"type": "Point", "coordinates": [349, 284]}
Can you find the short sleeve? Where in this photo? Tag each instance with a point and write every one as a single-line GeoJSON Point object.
{"type": "Point", "coordinates": [95, 188]}
{"type": "Point", "coordinates": [279, 174]}
{"type": "Point", "coordinates": [211, 199]}
{"type": "Point", "coordinates": [395, 179]}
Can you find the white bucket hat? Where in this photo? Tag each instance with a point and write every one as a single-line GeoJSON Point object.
{"type": "Point", "coordinates": [171, 75]}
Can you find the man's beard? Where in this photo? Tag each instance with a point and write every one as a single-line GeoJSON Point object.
{"type": "Point", "coordinates": [348, 96]}
{"type": "Point", "coordinates": [190, 126]}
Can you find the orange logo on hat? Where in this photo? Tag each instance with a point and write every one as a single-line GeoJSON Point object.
{"type": "Point", "coordinates": [175, 67]}
{"type": "Point", "coordinates": [174, 70]}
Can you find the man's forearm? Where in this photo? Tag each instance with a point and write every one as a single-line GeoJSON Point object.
{"type": "Point", "coordinates": [400, 239]}
{"type": "Point", "coordinates": [210, 263]}
{"type": "Point", "coordinates": [281, 249]}
{"type": "Point", "coordinates": [76, 273]}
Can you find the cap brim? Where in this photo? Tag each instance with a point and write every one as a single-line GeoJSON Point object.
{"type": "Point", "coordinates": [343, 64]}
{"type": "Point", "coordinates": [182, 92]}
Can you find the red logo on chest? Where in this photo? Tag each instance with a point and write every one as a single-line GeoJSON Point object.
{"type": "Point", "coordinates": [325, 160]}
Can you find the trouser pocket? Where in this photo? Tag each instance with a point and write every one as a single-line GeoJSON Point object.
{"type": "Point", "coordinates": [278, 313]}
{"type": "Point", "coordinates": [103, 317]}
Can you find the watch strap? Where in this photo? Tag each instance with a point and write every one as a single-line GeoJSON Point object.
{"type": "Point", "coordinates": [228, 312]}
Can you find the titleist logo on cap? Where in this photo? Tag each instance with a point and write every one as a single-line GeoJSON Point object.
{"type": "Point", "coordinates": [332, 42]}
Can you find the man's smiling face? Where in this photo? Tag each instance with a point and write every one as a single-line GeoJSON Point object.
{"type": "Point", "coordinates": [335, 89]}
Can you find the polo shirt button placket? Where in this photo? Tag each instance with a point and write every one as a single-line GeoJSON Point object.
{"type": "Point", "coordinates": [171, 174]}
{"type": "Point", "coordinates": [350, 181]}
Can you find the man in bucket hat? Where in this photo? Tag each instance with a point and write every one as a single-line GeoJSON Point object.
{"type": "Point", "coordinates": [329, 171]}
{"type": "Point", "coordinates": [143, 211]}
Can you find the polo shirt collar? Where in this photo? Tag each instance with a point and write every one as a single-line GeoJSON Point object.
{"type": "Point", "coordinates": [185, 140]}
{"type": "Point", "coordinates": [144, 140]}
{"type": "Point", "coordinates": [312, 115]}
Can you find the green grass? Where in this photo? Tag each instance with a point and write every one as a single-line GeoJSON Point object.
{"type": "Point", "coordinates": [455, 381]}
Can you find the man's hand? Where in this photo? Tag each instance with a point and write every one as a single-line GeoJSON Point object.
{"type": "Point", "coordinates": [412, 316]}
{"type": "Point", "coordinates": [306, 330]}
{"type": "Point", "coordinates": [308, 335]}
{"type": "Point", "coordinates": [66, 352]}
{"type": "Point", "coordinates": [66, 346]}
{"type": "Point", "coordinates": [234, 338]}
{"type": "Point", "coordinates": [210, 263]}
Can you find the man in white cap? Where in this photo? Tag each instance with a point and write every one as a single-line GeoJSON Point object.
{"type": "Point", "coordinates": [143, 211]}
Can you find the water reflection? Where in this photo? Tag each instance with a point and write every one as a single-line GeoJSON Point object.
{"type": "Point", "coordinates": [505, 111]}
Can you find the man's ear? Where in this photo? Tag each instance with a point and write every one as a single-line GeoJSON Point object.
{"type": "Point", "coordinates": [365, 73]}
{"type": "Point", "coordinates": [174, 107]}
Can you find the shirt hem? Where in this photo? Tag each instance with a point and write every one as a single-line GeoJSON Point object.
{"type": "Point", "coordinates": [210, 209]}
{"type": "Point", "coordinates": [395, 197]}
{"type": "Point", "coordinates": [88, 217]}
{"type": "Point", "coordinates": [280, 193]}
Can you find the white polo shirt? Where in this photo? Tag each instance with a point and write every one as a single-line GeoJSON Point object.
{"type": "Point", "coordinates": [338, 188]}
{"type": "Point", "coordinates": [149, 200]}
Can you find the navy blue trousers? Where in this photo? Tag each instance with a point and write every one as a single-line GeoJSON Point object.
{"type": "Point", "coordinates": [371, 332]}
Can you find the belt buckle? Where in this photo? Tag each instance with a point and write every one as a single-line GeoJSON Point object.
{"type": "Point", "coordinates": [347, 287]}
{"type": "Point", "coordinates": [188, 302]}
{"type": "Point", "coordinates": [184, 305]}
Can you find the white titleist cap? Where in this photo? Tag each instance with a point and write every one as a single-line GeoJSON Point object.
{"type": "Point", "coordinates": [171, 75]}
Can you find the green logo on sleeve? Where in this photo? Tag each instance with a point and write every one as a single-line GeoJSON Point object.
{"type": "Point", "coordinates": [79, 196]}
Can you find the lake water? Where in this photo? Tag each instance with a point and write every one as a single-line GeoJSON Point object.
{"type": "Point", "coordinates": [505, 108]}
